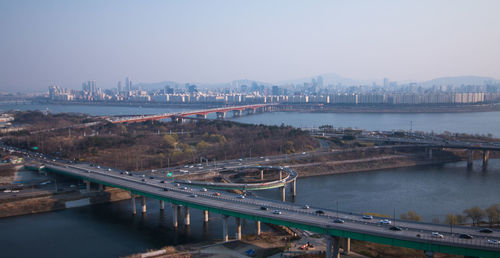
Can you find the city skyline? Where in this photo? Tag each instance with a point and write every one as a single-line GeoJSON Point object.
{"type": "Point", "coordinates": [65, 43]}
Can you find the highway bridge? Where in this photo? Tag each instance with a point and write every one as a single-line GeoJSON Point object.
{"type": "Point", "coordinates": [336, 226]}
{"type": "Point", "coordinates": [220, 112]}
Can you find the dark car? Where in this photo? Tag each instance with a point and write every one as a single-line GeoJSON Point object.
{"type": "Point", "coordinates": [320, 212]}
{"type": "Point", "coordinates": [486, 230]}
{"type": "Point", "coordinates": [162, 181]}
{"type": "Point", "coordinates": [151, 177]}
{"type": "Point", "coordinates": [466, 236]}
{"type": "Point", "coordinates": [144, 180]}
{"type": "Point", "coordinates": [264, 208]}
{"type": "Point", "coordinates": [395, 228]}
{"type": "Point", "coordinates": [338, 221]}
{"type": "Point", "coordinates": [165, 189]}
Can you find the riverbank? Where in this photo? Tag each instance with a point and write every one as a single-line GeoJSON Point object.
{"type": "Point", "coordinates": [47, 201]}
{"type": "Point", "coordinates": [452, 108]}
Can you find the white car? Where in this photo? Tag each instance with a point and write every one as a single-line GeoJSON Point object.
{"type": "Point", "coordinates": [241, 196]}
{"type": "Point", "coordinates": [305, 207]}
{"type": "Point", "coordinates": [437, 235]}
{"type": "Point", "coordinates": [385, 221]}
{"type": "Point", "coordinates": [493, 242]}
{"type": "Point", "coordinates": [277, 212]}
{"type": "Point", "coordinates": [367, 217]}
{"type": "Point", "coordinates": [203, 190]}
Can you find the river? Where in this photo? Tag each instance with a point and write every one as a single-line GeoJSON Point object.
{"type": "Point", "coordinates": [110, 230]}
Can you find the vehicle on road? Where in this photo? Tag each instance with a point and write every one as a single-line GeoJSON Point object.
{"type": "Point", "coordinates": [465, 236]}
{"type": "Point", "coordinates": [493, 242]}
{"type": "Point", "coordinates": [241, 196]}
{"type": "Point", "coordinates": [436, 235]}
{"type": "Point", "coordinates": [320, 212]}
{"type": "Point", "coordinates": [194, 195]}
{"type": "Point", "coordinates": [217, 194]}
{"type": "Point", "coordinates": [367, 217]}
{"type": "Point", "coordinates": [264, 208]}
{"type": "Point", "coordinates": [338, 221]}
{"type": "Point", "coordinates": [203, 189]}
{"type": "Point", "coordinates": [395, 228]}
{"type": "Point", "coordinates": [486, 230]}
{"type": "Point", "coordinates": [385, 221]}
{"type": "Point", "coordinates": [165, 189]}
{"type": "Point", "coordinates": [305, 207]}
{"type": "Point", "coordinates": [277, 212]}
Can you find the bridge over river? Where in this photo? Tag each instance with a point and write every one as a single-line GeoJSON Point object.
{"type": "Point", "coordinates": [339, 227]}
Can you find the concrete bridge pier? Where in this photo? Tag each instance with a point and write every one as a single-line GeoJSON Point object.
{"type": "Point", "coordinates": [225, 237]}
{"type": "Point", "coordinates": [486, 157]}
{"type": "Point", "coordinates": [332, 247]}
{"type": "Point", "coordinates": [174, 215]}
{"type": "Point", "coordinates": [346, 246]}
{"type": "Point", "coordinates": [283, 193]}
{"type": "Point", "coordinates": [186, 216]}
{"type": "Point", "coordinates": [469, 158]}
{"type": "Point", "coordinates": [87, 185]}
{"type": "Point", "coordinates": [162, 205]}
{"type": "Point", "coordinates": [205, 216]}
{"type": "Point", "coordinates": [429, 153]}
{"type": "Point", "coordinates": [133, 203]}
{"type": "Point", "coordinates": [221, 115]}
{"type": "Point", "coordinates": [262, 174]}
{"type": "Point", "coordinates": [236, 113]}
{"type": "Point", "coordinates": [257, 227]}
{"type": "Point", "coordinates": [101, 187]}
{"type": "Point", "coordinates": [143, 202]}
{"type": "Point", "coordinates": [238, 228]}
{"type": "Point", "coordinates": [294, 188]}
{"type": "Point", "coordinates": [281, 175]}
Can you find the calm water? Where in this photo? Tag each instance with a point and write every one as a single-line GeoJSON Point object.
{"type": "Point", "coordinates": [110, 230]}
{"type": "Point", "coordinates": [431, 191]}
{"type": "Point", "coordinates": [474, 123]}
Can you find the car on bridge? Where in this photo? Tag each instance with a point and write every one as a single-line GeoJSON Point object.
{"type": "Point", "coordinates": [338, 220]}
{"type": "Point", "coordinates": [395, 228]}
{"type": "Point", "coordinates": [385, 221]}
{"type": "Point", "coordinates": [493, 242]}
{"type": "Point", "coordinates": [436, 235]}
{"type": "Point", "coordinates": [367, 217]}
{"type": "Point", "coordinates": [277, 212]}
{"type": "Point", "coordinates": [465, 236]}
{"type": "Point", "coordinates": [486, 230]}
{"type": "Point", "coordinates": [264, 208]}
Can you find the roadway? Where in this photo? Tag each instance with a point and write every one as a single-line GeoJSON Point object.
{"type": "Point", "coordinates": [251, 207]}
{"type": "Point", "coordinates": [320, 220]}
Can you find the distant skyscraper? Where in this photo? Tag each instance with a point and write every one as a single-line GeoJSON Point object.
{"type": "Point", "coordinates": [386, 82]}
{"type": "Point", "coordinates": [127, 84]}
{"type": "Point", "coordinates": [119, 86]}
{"type": "Point", "coordinates": [320, 81]}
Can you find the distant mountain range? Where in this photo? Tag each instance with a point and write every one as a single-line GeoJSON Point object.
{"type": "Point", "coordinates": [328, 79]}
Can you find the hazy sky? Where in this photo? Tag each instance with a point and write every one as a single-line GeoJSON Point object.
{"type": "Point", "coordinates": [68, 42]}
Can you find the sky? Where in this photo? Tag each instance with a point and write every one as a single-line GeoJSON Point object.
{"type": "Point", "coordinates": [68, 42]}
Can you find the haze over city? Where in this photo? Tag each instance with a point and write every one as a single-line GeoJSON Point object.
{"type": "Point", "coordinates": [62, 43]}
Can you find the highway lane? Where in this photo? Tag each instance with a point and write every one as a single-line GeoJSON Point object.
{"type": "Point", "coordinates": [289, 212]}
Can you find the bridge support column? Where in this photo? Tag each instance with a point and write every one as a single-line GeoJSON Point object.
{"type": "Point", "coordinates": [238, 228]}
{"type": "Point", "coordinates": [221, 115]}
{"type": "Point", "coordinates": [332, 247]}
{"type": "Point", "coordinates": [101, 187]}
{"type": "Point", "coordinates": [294, 188]}
{"type": "Point", "coordinates": [186, 216]}
{"type": "Point", "coordinates": [143, 202]}
{"type": "Point", "coordinates": [133, 203]}
{"type": "Point", "coordinates": [429, 153]}
{"type": "Point", "coordinates": [281, 175]}
{"type": "Point", "coordinates": [174, 215]}
{"type": "Point", "coordinates": [469, 158]}
{"type": "Point", "coordinates": [225, 237]}
{"type": "Point", "coordinates": [283, 193]}
{"type": "Point", "coordinates": [257, 227]}
{"type": "Point", "coordinates": [205, 216]}
{"type": "Point", "coordinates": [87, 184]}
{"type": "Point", "coordinates": [162, 205]}
{"type": "Point", "coordinates": [262, 174]}
{"type": "Point", "coordinates": [486, 157]}
{"type": "Point", "coordinates": [346, 246]}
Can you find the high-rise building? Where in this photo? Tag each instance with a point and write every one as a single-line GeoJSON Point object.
{"type": "Point", "coordinates": [127, 84]}
{"type": "Point", "coordinates": [386, 82]}
{"type": "Point", "coordinates": [119, 86]}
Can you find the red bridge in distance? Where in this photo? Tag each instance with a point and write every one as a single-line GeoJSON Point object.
{"type": "Point", "coordinates": [221, 113]}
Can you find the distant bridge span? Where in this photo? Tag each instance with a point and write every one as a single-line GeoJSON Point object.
{"type": "Point", "coordinates": [221, 113]}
